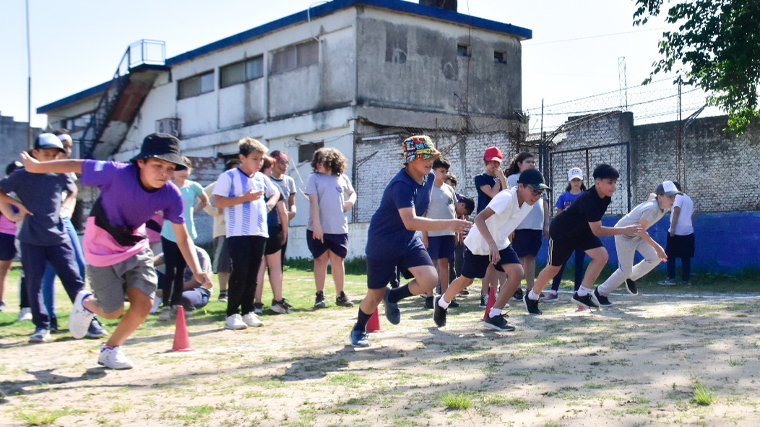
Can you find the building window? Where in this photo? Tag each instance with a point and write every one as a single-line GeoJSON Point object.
{"type": "Point", "coordinates": [463, 50]}
{"type": "Point", "coordinates": [306, 151]}
{"type": "Point", "coordinates": [76, 124]}
{"type": "Point", "coordinates": [499, 57]}
{"type": "Point", "coordinates": [196, 85]}
{"type": "Point", "coordinates": [296, 56]}
{"type": "Point", "coordinates": [241, 71]}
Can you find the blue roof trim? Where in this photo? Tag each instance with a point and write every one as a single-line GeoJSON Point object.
{"type": "Point", "coordinates": [73, 98]}
{"type": "Point", "coordinates": [316, 12]}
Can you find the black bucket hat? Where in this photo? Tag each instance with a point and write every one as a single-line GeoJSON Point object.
{"type": "Point", "coordinates": [161, 146]}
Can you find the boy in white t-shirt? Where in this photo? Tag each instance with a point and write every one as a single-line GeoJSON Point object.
{"type": "Point", "coordinates": [488, 244]}
{"type": "Point", "coordinates": [239, 191]}
{"type": "Point", "coordinates": [680, 238]}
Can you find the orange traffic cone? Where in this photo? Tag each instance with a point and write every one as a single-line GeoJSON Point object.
{"type": "Point", "coordinates": [374, 323]}
{"type": "Point", "coordinates": [181, 338]}
{"type": "Point", "coordinates": [491, 300]}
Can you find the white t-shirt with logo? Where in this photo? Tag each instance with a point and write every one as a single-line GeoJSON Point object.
{"type": "Point", "coordinates": [508, 214]}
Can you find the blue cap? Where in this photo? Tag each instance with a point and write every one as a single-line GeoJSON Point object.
{"type": "Point", "coordinates": [48, 140]}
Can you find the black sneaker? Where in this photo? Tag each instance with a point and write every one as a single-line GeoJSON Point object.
{"type": "Point", "coordinates": [222, 296]}
{"type": "Point", "coordinates": [54, 325]}
{"type": "Point", "coordinates": [439, 316]}
{"type": "Point", "coordinates": [518, 294]}
{"type": "Point", "coordinates": [343, 301]}
{"type": "Point", "coordinates": [464, 292]}
{"type": "Point", "coordinates": [319, 302]}
{"type": "Point", "coordinates": [498, 323]}
{"type": "Point", "coordinates": [586, 300]}
{"type": "Point", "coordinates": [453, 303]}
{"type": "Point", "coordinates": [392, 313]}
{"type": "Point", "coordinates": [429, 303]}
{"type": "Point", "coordinates": [631, 286]}
{"type": "Point", "coordinates": [483, 301]}
{"type": "Point", "coordinates": [603, 300]}
{"type": "Point", "coordinates": [531, 306]}
{"type": "Point", "coordinates": [359, 338]}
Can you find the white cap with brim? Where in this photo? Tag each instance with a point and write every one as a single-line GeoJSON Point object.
{"type": "Point", "coordinates": [48, 140]}
{"type": "Point", "coordinates": [667, 187]}
{"type": "Point", "coordinates": [574, 173]}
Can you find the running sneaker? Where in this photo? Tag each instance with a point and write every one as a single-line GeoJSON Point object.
{"type": "Point", "coordinates": [549, 297]}
{"type": "Point", "coordinates": [2, 307]}
{"type": "Point", "coordinates": [252, 320]}
{"type": "Point", "coordinates": [319, 301]}
{"type": "Point", "coordinates": [518, 294]}
{"type": "Point", "coordinates": [531, 305]}
{"type": "Point", "coordinates": [80, 317]}
{"type": "Point", "coordinates": [223, 296]}
{"type": "Point", "coordinates": [498, 323]}
{"type": "Point", "coordinates": [359, 338]}
{"type": "Point", "coordinates": [343, 301]}
{"type": "Point", "coordinates": [54, 325]}
{"type": "Point", "coordinates": [24, 315]}
{"type": "Point", "coordinates": [603, 300]}
{"type": "Point", "coordinates": [667, 282]}
{"type": "Point", "coordinates": [166, 314]}
{"type": "Point", "coordinates": [631, 286]}
{"type": "Point", "coordinates": [439, 315]}
{"type": "Point", "coordinates": [286, 303]}
{"type": "Point", "coordinates": [235, 322]}
{"type": "Point", "coordinates": [258, 308]}
{"type": "Point", "coordinates": [40, 335]}
{"type": "Point", "coordinates": [429, 303]}
{"type": "Point", "coordinates": [454, 303]}
{"type": "Point", "coordinates": [392, 313]}
{"type": "Point", "coordinates": [277, 307]}
{"type": "Point", "coordinates": [586, 300]}
{"type": "Point", "coordinates": [483, 301]}
{"type": "Point", "coordinates": [114, 358]}
{"type": "Point", "coordinates": [95, 330]}
{"type": "Point", "coordinates": [464, 292]}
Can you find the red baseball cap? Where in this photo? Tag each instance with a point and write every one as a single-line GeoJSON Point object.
{"type": "Point", "coordinates": [493, 154]}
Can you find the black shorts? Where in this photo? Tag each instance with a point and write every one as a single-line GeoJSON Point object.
{"type": "Point", "coordinates": [680, 246]}
{"type": "Point", "coordinates": [560, 250]}
{"type": "Point", "coordinates": [7, 247]}
{"type": "Point", "coordinates": [336, 243]}
{"type": "Point", "coordinates": [440, 247]}
{"type": "Point", "coordinates": [274, 241]}
{"type": "Point", "coordinates": [527, 242]}
{"type": "Point", "coordinates": [475, 266]}
{"type": "Point", "coordinates": [380, 272]}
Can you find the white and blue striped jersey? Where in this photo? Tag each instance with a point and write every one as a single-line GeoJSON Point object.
{"type": "Point", "coordinates": [249, 218]}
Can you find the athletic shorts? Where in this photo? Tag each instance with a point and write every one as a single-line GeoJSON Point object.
{"type": "Point", "coordinates": [380, 272]}
{"type": "Point", "coordinates": [274, 241]}
{"type": "Point", "coordinates": [222, 261]}
{"type": "Point", "coordinates": [110, 284]}
{"type": "Point", "coordinates": [336, 243]}
{"type": "Point", "coordinates": [475, 266]}
{"type": "Point", "coordinates": [560, 250]}
{"type": "Point", "coordinates": [7, 247]}
{"type": "Point", "coordinates": [440, 247]}
{"type": "Point", "coordinates": [527, 242]}
{"type": "Point", "coordinates": [680, 246]}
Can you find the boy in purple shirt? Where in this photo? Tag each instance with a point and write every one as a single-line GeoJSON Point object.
{"type": "Point", "coordinates": [116, 248]}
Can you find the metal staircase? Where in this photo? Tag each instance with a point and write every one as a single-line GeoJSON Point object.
{"type": "Point", "coordinates": [137, 71]}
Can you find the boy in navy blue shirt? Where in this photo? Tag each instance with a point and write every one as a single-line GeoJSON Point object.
{"type": "Point", "coordinates": [391, 241]}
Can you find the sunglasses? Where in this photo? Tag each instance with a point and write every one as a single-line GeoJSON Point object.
{"type": "Point", "coordinates": [536, 191]}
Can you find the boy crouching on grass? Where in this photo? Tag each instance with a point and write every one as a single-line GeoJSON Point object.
{"type": "Point", "coordinates": [488, 243]}
{"type": "Point", "coordinates": [119, 259]}
{"type": "Point", "coordinates": [391, 240]}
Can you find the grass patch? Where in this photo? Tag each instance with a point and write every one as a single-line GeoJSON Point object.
{"type": "Point", "coordinates": [458, 400]}
{"type": "Point", "coordinates": [703, 396]}
{"type": "Point", "coordinates": [44, 418]}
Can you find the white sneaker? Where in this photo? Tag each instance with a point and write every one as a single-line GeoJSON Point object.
{"type": "Point", "coordinates": [252, 320]}
{"type": "Point", "coordinates": [114, 358]}
{"type": "Point", "coordinates": [40, 335]}
{"type": "Point", "coordinates": [235, 322]}
{"type": "Point", "coordinates": [166, 314]}
{"type": "Point", "coordinates": [80, 317]}
{"type": "Point", "coordinates": [156, 305]}
{"type": "Point", "coordinates": [25, 315]}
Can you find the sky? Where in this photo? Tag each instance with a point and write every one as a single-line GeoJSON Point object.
{"type": "Point", "coordinates": [77, 44]}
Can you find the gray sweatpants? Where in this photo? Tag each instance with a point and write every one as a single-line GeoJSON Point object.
{"type": "Point", "coordinates": [626, 248]}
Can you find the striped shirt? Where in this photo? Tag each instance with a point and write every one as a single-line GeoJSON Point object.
{"type": "Point", "coordinates": [249, 218]}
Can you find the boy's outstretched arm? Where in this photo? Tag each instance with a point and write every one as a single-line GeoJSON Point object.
{"type": "Point", "coordinates": [54, 166]}
{"type": "Point", "coordinates": [187, 247]}
{"type": "Point", "coordinates": [417, 223]}
{"type": "Point", "coordinates": [600, 230]}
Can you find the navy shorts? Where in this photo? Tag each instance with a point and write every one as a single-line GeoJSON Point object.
{"type": "Point", "coordinates": [7, 247]}
{"type": "Point", "coordinates": [274, 241]}
{"type": "Point", "coordinates": [441, 247]}
{"type": "Point", "coordinates": [193, 299]}
{"type": "Point", "coordinates": [380, 272]}
{"type": "Point", "coordinates": [337, 243]}
{"type": "Point", "coordinates": [475, 266]}
{"type": "Point", "coordinates": [527, 242]}
{"type": "Point", "coordinates": [560, 250]}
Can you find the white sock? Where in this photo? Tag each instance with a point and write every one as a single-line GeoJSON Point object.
{"type": "Point", "coordinates": [583, 291]}
{"type": "Point", "coordinates": [532, 295]}
{"type": "Point", "coordinates": [442, 302]}
{"type": "Point", "coordinates": [494, 312]}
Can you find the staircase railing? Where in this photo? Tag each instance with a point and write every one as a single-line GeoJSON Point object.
{"type": "Point", "coordinates": [151, 52]}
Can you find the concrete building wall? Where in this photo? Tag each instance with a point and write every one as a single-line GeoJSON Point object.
{"type": "Point", "coordinates": [14, 139]}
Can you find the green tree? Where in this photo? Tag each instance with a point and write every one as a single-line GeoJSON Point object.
{"type": "Point", "coordinates": [716, 47]}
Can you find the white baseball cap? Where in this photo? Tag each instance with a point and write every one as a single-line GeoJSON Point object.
{"type": "Point", "coordinates": [574, 173]}
{"type": "Point", "coordinates": [667, 187]}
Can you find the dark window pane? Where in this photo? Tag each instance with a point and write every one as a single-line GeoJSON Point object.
{"type": "Point", "coordinates": [207, 83]}
{"type": "Point", "coordinates": [284, 60]}
{"type": "Point", "coordinates": [306, 151]}
{"type": "Point", "coordinates": [232, 74]}
{"type": "Point", "coordinates": [308, 53]}
{"type": "Point", "coordinates": [254, 68]}
{"type": "Point", "coordinates": [463, 50]}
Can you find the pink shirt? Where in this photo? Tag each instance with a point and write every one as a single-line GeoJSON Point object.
{"type": "Point", "coordinates": [7, 226]}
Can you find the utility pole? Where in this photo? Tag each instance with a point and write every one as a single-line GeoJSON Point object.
{"type": "Point", "coordinates": [29, 138]}
{"type": "Point", "coordinates": [623, 83]}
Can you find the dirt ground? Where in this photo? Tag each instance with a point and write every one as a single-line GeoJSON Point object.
{"type": "Point", "coordinates": [639, 362]}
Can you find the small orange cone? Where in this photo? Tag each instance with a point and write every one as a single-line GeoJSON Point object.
{"type": "Point", "coordinates": [491, 300]}
{"type": "Point", "coordinates": [181, 338]}
{"type": "Point", "coordinates": [374, 323]}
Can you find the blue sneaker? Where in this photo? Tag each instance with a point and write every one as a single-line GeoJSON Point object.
{"type": "Point", "coordinates": [95, 330]}
{"type": "Point", "coordinates": [359, 338]}
{"type": "Point", "coordinates": [392, 313]}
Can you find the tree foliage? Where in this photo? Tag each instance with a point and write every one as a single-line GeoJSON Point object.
{"type": "Point", "coordinates": [716, 47]}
